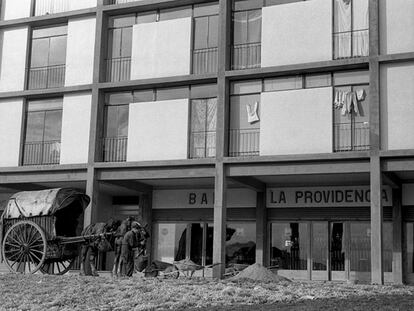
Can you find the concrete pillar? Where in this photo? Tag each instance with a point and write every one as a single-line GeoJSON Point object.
{"type": "Point", "coordinates": [261, 229]}
{"type": "Point", "coordinates": [397, 238]}
{"type": "Point", "coordinates": [220, 221]}
{"type": "Point", "coordinates": [92, 190]}
{"type": "Point", "coordinates": [377, 272]}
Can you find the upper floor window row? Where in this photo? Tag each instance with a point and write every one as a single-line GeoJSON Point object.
{"type": "Point", "coordinates": [12, 9]}
{"type": "Point", "coordinates": [350, 34]}
{"type": "Point", "coordinates": [204, 42]}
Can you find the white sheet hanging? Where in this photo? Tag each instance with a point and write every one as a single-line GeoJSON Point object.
{"type": "Point", "coordinates": [343, 38]}
{"type": "Point", "coordinates": [252, 115]}
{"type": "Point", "coordinates": [360, 44]}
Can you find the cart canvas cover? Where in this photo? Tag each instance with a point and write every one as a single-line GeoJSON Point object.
{"type": "Point", "coordinates": [43, 202]}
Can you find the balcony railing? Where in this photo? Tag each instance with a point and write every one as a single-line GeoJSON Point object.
{"type": "Point", "coordinates": [202, 144]}
{"type": "Point", "coordinates": [244, 142]}
{"type": "Point", "coordinates": [246, 56]}
{"type": "Point", "coordinates": [45, 7]}
{"type": "Point", "coordinates": [41, 153]}
{"type": "Point", "coordinates": [46, 77]}
{"type": "Point", "coordinates": [118, 69]}
{"type": "Point", "coordinates": [114, 149]}
{"type": "Point", "coordinates": [349, 44]}
{"type": "Point", "coordinates": [205, 61]}
{"type": "Point", "coordinates": [351, 136]}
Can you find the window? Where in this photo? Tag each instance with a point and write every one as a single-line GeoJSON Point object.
{"type": "Point", "coordinates": [48, 57]}
{"type": "Point", "coordinates": [203, 110]}
{"type": "Point", "coordinates": [116, 127]}
{"type": "Point", "coordinates": [46, 7]}
{"type": "Point", "coordinates": [118, 63]}
{"type": "Point", "coordinates": [43, 132]}
{"type": "Point", "coordinates": [244, 132]}
{"type": "Point", "coordinates": [205, 39]}
{"type": "Point", "coordinates": [203, 128]}
{"type": "Point", "coordinates": [178, 241]}
{"type": "Point", "coordinates": [240, 244]}
{"type": "Point", "coordinates": [351, 33]}
{"type": "Point", "coordinates": [289, 249]}
{"type": "Point", "coordinates": [247, 27]}
{"type": "Point", "coordinates": [351, 111]}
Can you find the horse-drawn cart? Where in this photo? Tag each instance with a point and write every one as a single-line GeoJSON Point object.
{"type": "Point", "coordinates": [39, 230]}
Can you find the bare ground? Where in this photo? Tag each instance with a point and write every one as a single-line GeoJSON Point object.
{"type": "Point", "coordinates": [72, 292]}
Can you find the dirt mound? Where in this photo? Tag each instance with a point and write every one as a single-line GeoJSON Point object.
{"type": "Point", "coordinates": [257, 272]}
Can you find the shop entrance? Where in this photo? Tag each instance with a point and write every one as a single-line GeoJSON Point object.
{"type": "Point", "coordinates": [326, 250]}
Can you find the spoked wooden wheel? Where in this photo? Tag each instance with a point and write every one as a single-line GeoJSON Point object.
{"type": "Point", "coordinates": [57, 267]}
{"type": "Point", "coordinates": [24, 247]}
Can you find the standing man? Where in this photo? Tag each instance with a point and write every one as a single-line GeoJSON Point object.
{"type": "Point", "coordinates": [132, 239]}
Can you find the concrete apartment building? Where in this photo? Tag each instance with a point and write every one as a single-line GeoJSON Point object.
{"type": "Point", "coordinates": [242, 131]}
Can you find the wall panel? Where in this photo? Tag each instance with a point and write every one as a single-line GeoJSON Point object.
{"type": "Point", "coordinates": [80, 51]}
{"type": "Point", "coordinates": [396, 26]}
{"type": "Point", "coordinates": [397, 106]}
{"type": "Point", "coordinates": [296, 122]}
{"type": "Point", "coordinates": [158, 130]}
{"type": "Point", "coordinates": [13, 59]}
{"type": "Point", "coordinates": [161, 49]}
{"type": "Point", "coordinates": [298, 32]}
{"type": "Point", "coordinates": [76, 120]}
{"type": "Point", "coordinates": [11, 112]}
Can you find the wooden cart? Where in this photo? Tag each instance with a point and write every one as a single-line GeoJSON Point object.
{"type": "Point", "coordinates": [38, 230]}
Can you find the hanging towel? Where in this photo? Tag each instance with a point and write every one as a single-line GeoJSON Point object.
{"type": "Point", "coordinates": [361, 94]}
{"type": "Point", "coordinates": [252, 115]}
{"type": "Point", "coordinates": [347, 104]}
{"type": "Point", "coordinates": [354, 102]}
{"type": "Point", "coordinates": [338, 102]}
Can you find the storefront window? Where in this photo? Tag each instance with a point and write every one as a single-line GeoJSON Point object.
{"type": "Point", "coordinates": [319, 246]}
{"type": "Point", "coordinates": [169, 238]}
{"type": "Point", "coordinates": [241, 243]}
{"type": "Point", "coordinates": [289, 248]}
{"type": "Point", "coordinates": [337, 247]}
{"type": "Point", "coordinates": [177, 241]}
{"type": "Point", "coordinates": [360, 247]}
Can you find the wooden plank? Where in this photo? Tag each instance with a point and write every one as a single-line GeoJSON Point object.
{"type": "Point", "coordinates": [397, 238]}
{"type": "Point", "coordinates": [220, 209]}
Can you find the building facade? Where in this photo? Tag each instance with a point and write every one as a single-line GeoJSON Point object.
{"type": "Point", "coordinates": [241, 131]}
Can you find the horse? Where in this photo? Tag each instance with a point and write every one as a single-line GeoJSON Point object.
{"type": "Point", "coordinates": [103, 243]}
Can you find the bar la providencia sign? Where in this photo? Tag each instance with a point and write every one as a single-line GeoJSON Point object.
{"type": "Point", "coordinates": [324, 196]}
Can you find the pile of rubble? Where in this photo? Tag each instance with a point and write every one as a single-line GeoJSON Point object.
{"type": "Point", "coordinates": [257, 272]}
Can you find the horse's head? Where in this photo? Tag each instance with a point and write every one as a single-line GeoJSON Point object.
{"type": "Point", "coordinates": [107, 241]}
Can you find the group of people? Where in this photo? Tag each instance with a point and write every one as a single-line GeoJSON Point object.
{"type": "Point", "coordinates": [122, 237]}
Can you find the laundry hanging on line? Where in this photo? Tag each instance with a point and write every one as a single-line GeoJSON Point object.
{"type": "Point", "coordinates": [348, 101]}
